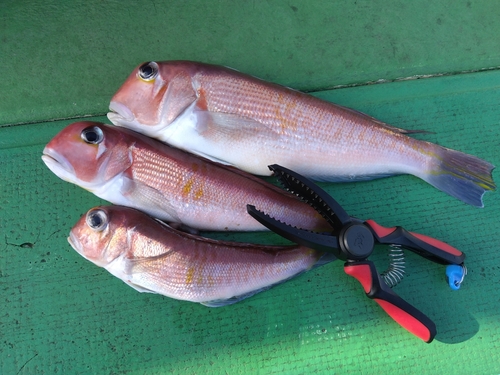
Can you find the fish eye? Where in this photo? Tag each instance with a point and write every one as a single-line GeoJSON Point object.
{"type": "Point", "coordinates": [148, 71]}
{"type": "Point", "coordinates": [92, 135]}
{"type": "Point", "coordinates": [97, 220]}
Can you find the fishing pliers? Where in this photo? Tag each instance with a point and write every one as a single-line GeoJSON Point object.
{"type": "Point", "coordinates": [353, 241]}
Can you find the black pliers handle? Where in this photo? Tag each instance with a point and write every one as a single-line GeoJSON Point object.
{"type": "Point", "coordinates": [353, 240]}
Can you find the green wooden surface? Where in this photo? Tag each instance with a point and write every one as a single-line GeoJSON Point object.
{"type": "Point", "coordinates": [63, 60]}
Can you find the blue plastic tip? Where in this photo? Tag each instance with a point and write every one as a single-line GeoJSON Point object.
{"type": "Point", "coordinates": [455, 274]}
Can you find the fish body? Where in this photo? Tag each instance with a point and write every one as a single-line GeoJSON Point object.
{"type": "Point", "coordinates": [240, 120]}
{"type": "Point", "coordinates": [152, 257]}
{"type": "Point", "coordinates": [129, 169]}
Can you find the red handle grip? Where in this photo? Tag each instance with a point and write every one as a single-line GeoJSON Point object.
{"type": "Point", "coordinates": [398, 309]}
{"type": "Point", "coordinates": [428, 247]}
{"type": "Point", "coordinates": [437, 243]}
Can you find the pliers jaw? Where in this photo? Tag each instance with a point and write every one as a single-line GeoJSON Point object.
{"type": "Point", "coordinates": [349, 239]}
{"type": "Point", "coordinates": [353, 240]}
{"type": "Point", "coordinates": [313, 195]}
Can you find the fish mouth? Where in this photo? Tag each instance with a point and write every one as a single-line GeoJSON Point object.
{"type": "Point", "coordinates": [79, 248]}
{"type": "Point", "coordinates": [120, 114]}
{"type": "Point", "coordinates": [58, 164]}
{"type": "Point", "coordinates": [75, 242]}
{"type": "Point", "coordinates": [77, 245]}
{"type": "Point", "coordinates": [63, 169]}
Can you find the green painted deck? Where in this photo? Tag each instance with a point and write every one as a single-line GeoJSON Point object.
{"type": "Point", "coordinates": [62, 61]}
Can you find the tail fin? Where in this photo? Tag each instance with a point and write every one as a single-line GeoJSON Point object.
{"type": "Point", "coordinates": [325, 259]}
{"type": "Point", "coordinates": [462, 176]}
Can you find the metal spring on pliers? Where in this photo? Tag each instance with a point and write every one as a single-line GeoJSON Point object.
{"type": "Point", "coordinates": [396, 271]}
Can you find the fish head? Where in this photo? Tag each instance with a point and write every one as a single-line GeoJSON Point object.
{"type": "Point", "coordinates": [88, 154]}
{"type": "Point", "coordinates": [100, 235]}
{"type": "Point", "coordinates": [153, 96]}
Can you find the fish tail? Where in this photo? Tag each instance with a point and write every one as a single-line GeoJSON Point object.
{"type": "Point", "coordinates": [324, 259]}
{"type": "Point", "coordinates": [460, 175]}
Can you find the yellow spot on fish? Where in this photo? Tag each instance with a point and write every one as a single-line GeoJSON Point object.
{"type": "Point", "coordinates": [188, 187]}
{"type": "Point", "coordinates": [283, 113]}
{"type": "Point", "coordinates": [190, 276]}
{"type": "Point", "coordinates": [198, 194]}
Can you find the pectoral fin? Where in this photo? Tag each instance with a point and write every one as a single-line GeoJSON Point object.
{"type": "Point", "coordinates": [232, 127]}
{"type": "Point", "coordinates": [149, 199]}
{"type": "Point", "coordinates": [140, 289]}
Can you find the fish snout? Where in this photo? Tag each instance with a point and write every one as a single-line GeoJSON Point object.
{"type": "Point", "coordinates": [119, 112]}
{"type": "Point", "coordinates": [57, 163]}
{"type": "Point", "coordinates": [87, 249]}
{"type": "Point", "coordinates": [75, 243]}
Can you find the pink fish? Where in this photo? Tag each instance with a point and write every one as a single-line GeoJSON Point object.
{"type": "Point", "coordinates": [152, 257]}
{"type": "Point", "coordinates": [129, 169]}
{"type": "Point", "coordinates": [240, 120]}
